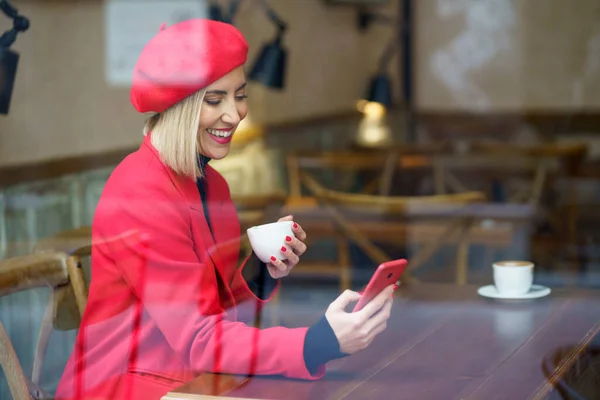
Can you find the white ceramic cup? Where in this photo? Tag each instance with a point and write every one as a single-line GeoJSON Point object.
{"type": "Point", "coordinates": [513, 277]}
{"type": "Point", "coordinates": [266, 240]}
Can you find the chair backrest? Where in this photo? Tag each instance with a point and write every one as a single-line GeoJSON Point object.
{"type": "Point", "coordinates": [71, 300]}
{"type": "Point", "coordinates": [561, 150]}
{"type": "Point", "coordinates": [67, 302]}
{"type": "Point", "coordinates": [338, 166]}
{"type": "Point", "coordinates": [33, 271]}
{"type": "Point", "coordinates": [372, 204]}
{"type": "Point", "coordinates": [23, 273]}
{"type": "Point", "coordinates": [344, 207]}
{"type": "Point", "coordinates": [451, 173]}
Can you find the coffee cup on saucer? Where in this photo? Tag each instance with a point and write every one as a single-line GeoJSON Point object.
{"type": "Point", "coordinates": [266, 240]}
{"type": "Point", "coordinates": [513, 278]}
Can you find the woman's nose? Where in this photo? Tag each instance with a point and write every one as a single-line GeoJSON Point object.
{"type": "Point", "coordinates": [231, 115]}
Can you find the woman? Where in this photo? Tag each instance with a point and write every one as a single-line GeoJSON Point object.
{"type": "Point", "coordinates": [166, 292]}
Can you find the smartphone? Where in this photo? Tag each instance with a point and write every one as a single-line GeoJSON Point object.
{"type": "Point", "coordinates": [386, 274]}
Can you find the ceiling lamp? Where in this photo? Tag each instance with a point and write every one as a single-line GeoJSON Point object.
{"type": "Point", "coordinates": [8, 58]}
{"type": "Point", "coordinates": [270, 65]}
{"type": "Point", "coordinates": [380, 87]}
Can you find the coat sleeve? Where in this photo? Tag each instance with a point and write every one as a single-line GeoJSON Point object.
{"type": "Point", "coordinates": [252, 281]}
{"type": "Point", "coordinates": [174, 290]}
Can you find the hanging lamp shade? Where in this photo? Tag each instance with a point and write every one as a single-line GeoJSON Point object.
{"type": "Point", "coordinates": [380, 90]}
{"type": "Point", "coordinates": [270, 66]}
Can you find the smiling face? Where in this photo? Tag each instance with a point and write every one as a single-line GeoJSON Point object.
{"type": "Point", "coordinates": [224, 107]}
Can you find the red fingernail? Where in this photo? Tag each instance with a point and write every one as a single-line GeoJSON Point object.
{"type": "Point", "coordinates": [396, 287]}
{"type": "Point", "coordinates": [273, 258]}
{"type": "Point", "coordinates": [295, 225]}
{"type": "Point", "coordinates": [283, 249]}
{"type": "Point", "coordinates": [288, 239]}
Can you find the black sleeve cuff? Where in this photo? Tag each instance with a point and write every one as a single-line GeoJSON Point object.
{"type": "Point", "coordinates": [258, 278]}
{"type": "Point", "coordinates": [320, 345]}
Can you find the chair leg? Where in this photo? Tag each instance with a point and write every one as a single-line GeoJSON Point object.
{"type": "Point", "coordinates": [462, 255]}
{"type": "Point", "coordinates": [78, 283]}
{"type": "Point", "coordinates": [9, 362]}
{"type": "Point", "coordinates": [344, 261]}
{"type": "Point", "coordinates": [43, 340]}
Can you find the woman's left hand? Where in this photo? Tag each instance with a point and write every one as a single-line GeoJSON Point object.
{"type": "Point", "coordinates": [280, 268]}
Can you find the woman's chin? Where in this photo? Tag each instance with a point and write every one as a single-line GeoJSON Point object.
{"type": "Point", "coordinates": [217, 154]}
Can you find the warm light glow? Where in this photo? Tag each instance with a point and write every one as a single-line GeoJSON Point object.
{"type": "Point", "coordinates": [372, 129]}
{"type": "Point", "coordinates": [374, 110]}
{"type": "Point", "coordinates": [371, 108]}
{"type": "Point", "coordinates": [361, 104]}
{"type": "Point", "coordinates": [247, 131]}
{"type": "Point", "coordinates": [245, 124]}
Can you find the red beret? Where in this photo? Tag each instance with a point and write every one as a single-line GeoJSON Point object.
{"type": "Point", "coordinates": [182, 59]}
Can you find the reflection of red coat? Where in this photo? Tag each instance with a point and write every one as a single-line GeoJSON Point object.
{"type": "Point", "coordinates": [164, 299]}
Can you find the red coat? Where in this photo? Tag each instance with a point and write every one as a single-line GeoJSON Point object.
{"type": "Point", "coordinates": [165, 298]}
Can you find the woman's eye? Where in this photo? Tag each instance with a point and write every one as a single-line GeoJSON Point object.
{"type": "Point", "coordinates": [213, 102]}
{"type": "Point", "coordinates": [241, 97]}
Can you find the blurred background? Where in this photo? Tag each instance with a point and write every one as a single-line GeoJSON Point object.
{"type": "Point", "coordinates": [454, 133]}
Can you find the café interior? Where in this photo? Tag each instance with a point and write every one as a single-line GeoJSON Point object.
{"type": "Point", "coordinates": [456, 134]}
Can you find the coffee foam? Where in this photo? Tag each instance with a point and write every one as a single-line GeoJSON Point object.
{"type": "Point", "coordinates": [513, 264]}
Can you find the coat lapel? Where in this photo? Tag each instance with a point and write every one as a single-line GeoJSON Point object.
{"type": "Point", "coordinates": [204, 239]}
{"type": "Point", "coordinates": [224, 222]}
{"type": "Point", "coordinates": [201, 235]}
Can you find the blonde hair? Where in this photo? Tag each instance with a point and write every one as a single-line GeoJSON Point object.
{"type": "Point", "coordinates": [175, 135]}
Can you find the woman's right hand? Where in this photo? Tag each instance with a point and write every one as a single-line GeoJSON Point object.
{"type": "Point", "coordinates": [355, 331]}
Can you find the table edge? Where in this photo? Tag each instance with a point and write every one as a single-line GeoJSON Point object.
{"type": "Point", "coordinates": [550, 383]}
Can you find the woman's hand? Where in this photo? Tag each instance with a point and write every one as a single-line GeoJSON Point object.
{"type": "Point", "coordinates": [280, 268]}
{"type": "Point", "coordinates": [356, 331]}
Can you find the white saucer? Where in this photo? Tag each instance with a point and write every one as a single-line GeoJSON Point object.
{"type": "Point", "coordinates": [535, 292]}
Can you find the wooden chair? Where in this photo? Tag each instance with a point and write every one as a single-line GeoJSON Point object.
{"type": "Point", "coordinates": [341, 168]}
{"type": "Point", "coordinates": [570, 154]}
{"type": "Point", "coordinates": [9, 363]}
{"type": "Point", "coordinates": [69, 292]}
{"type": "Point", "coordinates": [66, 303]}
{"type": "Point", "coordinates": [23, 273]}
{"type": "Point", "coordinates": [65, 308]}
{"type": "Point", "coordinates": [380, 167]}
{"type": "Point", "coordinates": [448, 169]}
{"type": "Point", "coordinates": [521, 176]}
{"type": "Point", "coordinates": [564, 213]}
{"type": "Point", "coordinates": [365, 219]}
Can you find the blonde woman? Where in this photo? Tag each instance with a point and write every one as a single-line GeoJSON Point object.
{"type": "Point", "coordinates": [166, 288]}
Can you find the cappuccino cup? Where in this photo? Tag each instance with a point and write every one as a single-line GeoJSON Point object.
{"type": "Point", "coordinates": [266, 240]}
{"type": "Point", "coordinates": [513, 278]}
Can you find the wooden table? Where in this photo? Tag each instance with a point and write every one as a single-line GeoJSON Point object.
{"type": "Point", "coordinates": [442, 342]}
{"type": "Point", "coordinates": [423, 229]}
